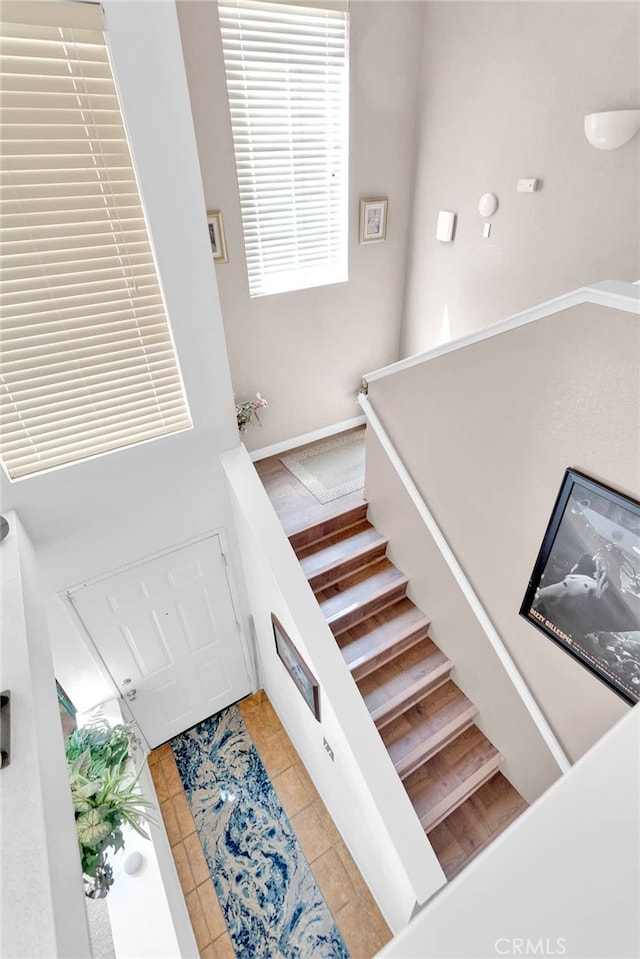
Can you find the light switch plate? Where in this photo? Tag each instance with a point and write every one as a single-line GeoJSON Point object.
{"type": "Point", "coordinates": [446, 224]}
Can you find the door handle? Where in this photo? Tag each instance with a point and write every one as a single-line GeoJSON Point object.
{"type": "Point", "coordinates": [131, 695]}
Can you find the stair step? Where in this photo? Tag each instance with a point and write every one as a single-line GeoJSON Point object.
{"type": "Point", "coordinates": [382, 636]}
{"type": "Point", "coordinates": [340, 520]}
{"type": "Point", "coordinates": [475, 824]}
{"type": "Point", "coordinates": [402, 682]}
{"type": "Point", "coordinates": [337, 536]}
{"type": "Point", "coordinates": [361, 594]}
{"type": "Point", "coordinates": [345, 552]}
{"type": "Point", "coordinates": [424, 729]}
{"type": "Point", "coordinates": [444, 782]}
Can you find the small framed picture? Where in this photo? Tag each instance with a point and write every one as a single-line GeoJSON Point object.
{"type": "Point", "coordinates": [216, 236]}
{"type": "Point", "coordinates": [373, 220]}
{"type": "Point", "coordinates": [296, 667]}
{"type": "Point", "coordinates": [584, 592]}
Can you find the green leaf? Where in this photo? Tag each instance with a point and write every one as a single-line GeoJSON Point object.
{"type": "Point", "coordinates": [92, 828]}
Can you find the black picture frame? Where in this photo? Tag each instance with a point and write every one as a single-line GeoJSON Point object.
{"type": "Point", "coordinates": [296, 667]}
{"type": "Point", "coordinates": [584, 591]}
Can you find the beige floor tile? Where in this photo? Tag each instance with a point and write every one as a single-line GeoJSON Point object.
{"type": "Point", "coordinates": [292, 792]}
{"type": "Point", "coordinates": [171, 823]}
{"type": "Point", "coordinates": [209, 952]}
{"type": "Point", "coordinates": [261, 732]}
{"type": "Point", "coordinates": [311, 833]}
{"type": "Point", "coordinates": [198, 921]}
{"type": "Point", "coordinates": [211, 908]}
{"type": "Point", "coordinates": [159, 782]}
{"type": "Point", "coordinates": [353, 872]}
{"type": "Point", "coordinates": [183, 815]}
{"type": "Point", "coordinates": [183, 867]}
{"type": "Point", "coordinates": [375, 916]}
{"type": "Point", "coordinates": [224, 948]}
{"type": "Point", "coordinates": [306, 780]}
{"type": "Point", "coordinates": [276, 755]}
{"type": "Point", "coordinates": [268, 715]}
{"type": "Point", "coordinates": [195, 854]}
{"type": "Point", "coordinates": [250, 702]}
{"type": "Point", "coordinates": [327, 821]}
{"type": "Point", "coordinates": [331, 876]}
{"type": "Point", "coordinates": [362, 938]}
{"type": "Point", "coordinates": [158, 754]}
{"type": "Point", "coordinates": [172, 777]}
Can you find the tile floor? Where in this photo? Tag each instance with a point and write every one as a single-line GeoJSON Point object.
{"type": "Point", "coordinates": [346, 894]}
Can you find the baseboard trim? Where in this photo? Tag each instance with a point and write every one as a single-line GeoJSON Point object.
{"type": "Point", "coordinates": [296, 441]}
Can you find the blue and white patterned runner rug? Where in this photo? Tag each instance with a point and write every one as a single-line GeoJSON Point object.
{"type": "Point", "coordinates": [270, 900]}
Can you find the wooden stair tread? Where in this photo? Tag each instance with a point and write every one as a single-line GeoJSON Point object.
{"type": "Point", "coordinates": [339, 520]}
{"type": "Point", "coordinates": [357, 596]}
{"type": "Point", "coordinates": [355, 548]}
{"type": "Point", "coordinates": [431, 724]}
{"type": "Point", "coordinates": [403, 681]}
{"type": "Point", "coordinates": [382, 636]}
{"type": "Point", "coordinates": [475, 824]}
{"type": "Point", "coordinates": [336, 537]}
{"type": "Point", "coordinates": [444, 782]}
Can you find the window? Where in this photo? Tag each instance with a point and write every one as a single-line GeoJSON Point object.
{"type": "Point", "coordinates": [88, 363]}
{"type": "Point", "coordinates": [288, 85]}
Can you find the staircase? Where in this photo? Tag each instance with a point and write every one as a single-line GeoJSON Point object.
{"type": "Point", "coordinates": [449, 769]}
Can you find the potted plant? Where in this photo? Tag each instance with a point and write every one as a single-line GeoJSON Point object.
{"type": "Point", "coordinates": [247, 412]}
{"type": "Point", "coordinates": [104, 798]}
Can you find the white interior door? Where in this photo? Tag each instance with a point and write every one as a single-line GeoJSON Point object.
{"type": "Point", "coordinates": [167, 632]}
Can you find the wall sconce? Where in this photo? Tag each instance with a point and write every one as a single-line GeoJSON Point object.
{"type": "Point", "coordinates": [612, 129]}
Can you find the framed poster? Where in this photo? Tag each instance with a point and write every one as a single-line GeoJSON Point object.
{"type": "Point", "coordinates": [584, 592]}
{"type": "Point", "coordinates": [296, 667]}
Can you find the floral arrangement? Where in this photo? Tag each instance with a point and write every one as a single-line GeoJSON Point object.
{"type": "Point", "coordinates": [104, 798]}
{"type": "Point", "coordinates": [246, 412]}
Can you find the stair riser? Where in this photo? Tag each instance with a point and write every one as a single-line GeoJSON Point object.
{"type": "Point", "coordinates": [365, 665]}
{"type": "Point", "coordinates": [390, 711]}
{"type": "Point", "coordinates": [327, 577]}
{"type": "Point", "coordinates": [314, 534]}
{"type": "Point", "coordinates": [351, 617]}
{"type": "Point", "coordinates": [428, 750]}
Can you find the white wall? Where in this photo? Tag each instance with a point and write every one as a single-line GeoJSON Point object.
{"type": "Point", "coordinates": [305, 351]}
{"type": "Point", "coordinates": [41, 898]}
{"type": "Point", "coordinates": [564, 880]}
{"type": "Point", "coordinates": [360, 787]}
{"type": "Point", "coordinates": [499, 421]}
{"type": "Point", "coordinates": [94, 517]}
{"type": "Point", "coordinates": [505, 87]}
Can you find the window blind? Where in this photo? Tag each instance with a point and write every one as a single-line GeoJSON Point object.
{"type": "Point", "coordinates": [87, 362]}
{"type": "Point", "coordinates": [287, 80]}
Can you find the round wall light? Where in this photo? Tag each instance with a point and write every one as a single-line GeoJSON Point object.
{"type": "Point", "coordinates": [611, 129]}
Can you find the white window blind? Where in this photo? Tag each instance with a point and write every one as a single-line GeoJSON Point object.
{"type": "Point", "coordinates": [288, 86]}
{"type": "Point", "coordinates": [87, 362]}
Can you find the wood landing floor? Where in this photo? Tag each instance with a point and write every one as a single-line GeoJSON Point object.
{"type": "Point", "coordinates": [295, 505]}
{"type": "Point", "coordinates": [471, 827]}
